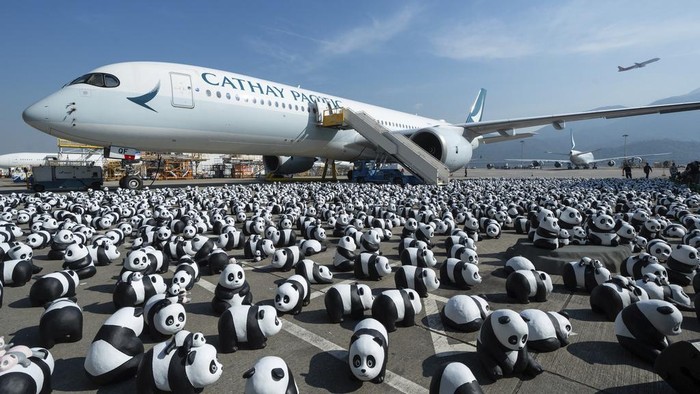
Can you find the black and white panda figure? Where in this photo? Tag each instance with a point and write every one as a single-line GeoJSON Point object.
{"type": "Point", "coordinates": [547, 234]}
{"type": "Point", "coordinates": [136, 261]}
{"type": "Point", "coordinates": [547, 331]}
{"type": "Point", "coordinates": [674, 230]}
{"type": "Point", "coordinates": [677, 365]}
{"type": "Point", "coordinates": [516, 263]}
{"type": "Point", "coordinates": [454, 378]}
{"type": "Point", "coordinates": [310, 247]}
{"type": "Point", "coordinates": [660, 249]}
{"type": "Point", "coordinates": [425, 233]}
{"type": "Point", "coordinates": [465, 312]}
{"type": "Point", "coordinates": [692, 238]}
{"type": "Point", "coordinates": [578, 236]}
{"type": "Point", "coordinates": [521, 224]}
{"type": "Point", "coordinates": [411, 243]}
{"type": "Point", "coordinates": [371, 240]}
{"type": "Point", "coordinates": [348, 299]}
{"type": "Point", "coordinates": [490, 227]}
{"type": "Point", "coordinates": [586, 274]}
{"type": "Point", "coordinates": [502, 346]}
{"type": "Point", "coordinates": [217, 260]}
{"type": "Point", "coordinates": [230, 239]}
{"type": "Point", "coordinates": [286, 258]}
{"type": "Point", "coordinates": [371, 266]}
{"type": "Point", "coordinates": [422, 280]}
{"type": "Point", "coordinates": [115, 352]}
{"type": "Point", "coordinates": [344, 257]}
{"type": "Point", "coordinates": [293, 294]}
{"type": "Point", "coordinates": [104, 254]}
{"type": "Point", "coordinates": [270, 374]}
{"type": "Point", "coordinates": [626, 233]}
{"type": "Point", "coordinates": [642, 328]}
{"type": "Point", "coordinates": [53, 286]}
{"type": "Point", "coordinates": [186, 274]}
{"type": "Point", "coordinates": [286, 237]}
{"type": "Point", "coordinates": [456, 272]}
{"type": "Point", "coordinates": [162, 370]}
{"type": "Point", "coordinates": [315, 232]}
{"type": "Point", "coordinates": [601, 230]}
{"type": "Point", "coordinates": [59, 242]}
{"type": "Point", "coordinates": [313, 272]}
{"type": "Point", "coordinates": [612, 296]}
{"type": "Point", "coordinates": [464, 253]}
{"type": "Point", "coordinates": [184, 341]}
{"type": "Point", "coordinates": [418, 257]}
{"type": "Point", "coordinates": [368, 352]}
{"type": "Point", "coordinates": [409, 228]}
{"type": "Point", "coordinates": [202, 246]}
{"type": "Point", "coordinates": [29, 371]}
{"type": "Point", "coordinates": [643, 263]}
{"type": "Point", "coordinates": [471, 228]}
{"type": "Point", "coordinates": [164, 317]}
{"type": "Point", "coordinates": [38, 239]}
{"type": "Point", "coordinates": [658, 288]}
{"type": "Point", "coordinates": [461, 238]}
{"type": "Point", "coordinates": [683, 264]}
{"type": "Point", "coordinates": [61, 322]}
{"type": "Point", "coordinates": [16, 273]}
{"type": "Point", "coordinates": [77, 258]}
{"type": "Point", "coordinates": [397, 307]}
{"type": "Point", "coordinates": [138, 288]}
{"type": "Point", "coordinates": [22, 251]}
{"type": "Point", "coordinates": [651, 229]}
{"type": "Point", "coordinates": [257, 248]}
{"type": "Point", "coordinates": [247, 326]}
{"type": "Point", "coordinates": [523, 285]}
{"type": "Point", "coordinates": [569, 217]}
{"type": "Point", "coordinates": [232, 289]}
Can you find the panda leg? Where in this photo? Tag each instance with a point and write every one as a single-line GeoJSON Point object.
{"type": "Point", "coordinates": [492, 368]}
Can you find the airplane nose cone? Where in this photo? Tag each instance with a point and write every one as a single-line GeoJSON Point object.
{"type": "Point", "coordinates": [36, 115]}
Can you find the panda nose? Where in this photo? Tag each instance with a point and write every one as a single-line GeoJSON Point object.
{"type": "Point", "coordinates": [363, 370]}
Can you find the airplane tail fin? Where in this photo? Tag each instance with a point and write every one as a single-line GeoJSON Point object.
{"type": "Point", "coordinates": [477, 109]}
{"type": "Point", "coordinates": [620, 68]}
{"type": "Point", "coordinates": [573, 144]}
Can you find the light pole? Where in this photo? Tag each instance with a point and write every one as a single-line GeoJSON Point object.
{"type": "Point", "coordinates": [625, 146]}
{"type": "Point", "coordinates": [522, 149]}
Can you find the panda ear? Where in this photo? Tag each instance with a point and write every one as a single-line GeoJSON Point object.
{"type": "Point", "coordinates": [504, 319]}
{"type": "Point", "coordinates": [524, 318]}
{"type": "Point", "coordinates": [564, 313]}
{"type": "Point", "coordinates": [277, 374]}
{"type": "Point", "coordinates": [379, 341]}
{"type": "Point", "coordinates": [665, 310]}
{"type": "Point", "coordinates": [191, 357]}
{"type": "Point", "coordinates": [261, 314]}
{"type": "Point", "coordinates": [249, 373]}
{"type": "Point", "coordinates": [411, 295]}
{"type": "Point", "coordinates": [543, 276]}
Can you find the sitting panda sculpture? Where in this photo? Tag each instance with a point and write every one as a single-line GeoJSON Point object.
{"type": "Point", "coordinates": [247, 326]}
{"type": "Point", "coordinates": [369, 351]}
{"type": "Point", "coordinates": [348, 299]}
{"type": "Point", "coordinates": [454, 377]}
{"type": "Point", "coordinates": [270, 374]}
{"type": "Point", "coordinates": [548, 331]}
{"type": "Point", "coordinates": [232, 289]}
{"type": "Point", "coordinates": [584, 274]}
{"type": "Point", "coordinates": [523, 285]}
{"type": "Point", "coordinates": [465, 312]}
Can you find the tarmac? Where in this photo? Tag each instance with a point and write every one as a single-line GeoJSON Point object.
{"type": "Point", "coordinates": [315, 349]}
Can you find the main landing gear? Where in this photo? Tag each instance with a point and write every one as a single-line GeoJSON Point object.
{"type": "Point", "coordinates": [132, 180]}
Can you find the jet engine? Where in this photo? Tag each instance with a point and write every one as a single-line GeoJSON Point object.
{"type": "Point", "coordinates": [557, 164]}
{"type": "Point", "coordinates": [536, 163]}
{"type": "Point", "coordinates": [611, 163]}
{"type": "Point", "coordinates": [445, 144]}
{"type": "Point", "coordinates": [287, 165]}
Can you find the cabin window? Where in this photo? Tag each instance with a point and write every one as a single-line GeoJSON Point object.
{"type": "Point", "coordinates": [218, 94]}
{"type": "Point", "coordinates": [238, 98]}
{"type": "Point", "coordinates": [296, 107]}
{"type": "Point", "coordinates": [283, 105]}
{"type": "Point", "coordinates": [255, 101]}
{"type": "Point", "coordinates": [228, 96]}
{"type": "Point", "coordinates": [208, 93]}
{"type": "Point", "coordinates": [277, 104]}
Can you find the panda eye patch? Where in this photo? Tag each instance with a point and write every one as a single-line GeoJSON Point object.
{"type": "Point", "coordinates": [240, 275]}
{"type": "Point", "coordinates": [356, 361]}
{"type": "Point", "coordinates": [568, 327]}
{"type": "Point", "coordinates": [231, 277]}
{"type": "Point", "coordinates": [169, 321]}
{"type": "Point", "coordinates": [524, 338]}
{"type": "Point", "coordinates": [371, 361]}
{"type": "Point", "coordinates": [361, 291]}
{"type": "Point", "coordinates": [286, 299]}
{"type": "Point", "coordinates": [213, 367]}
{"type": "Point", "coordinates": [513, 339]}
{"type": "Point", "coordinates": [181, 317]}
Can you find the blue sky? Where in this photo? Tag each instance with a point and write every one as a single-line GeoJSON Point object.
{"type": "Point", "coordinates": [428, 57]}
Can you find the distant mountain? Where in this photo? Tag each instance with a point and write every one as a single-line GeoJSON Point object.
{"type": "Point", "coordinates": [676, 133]}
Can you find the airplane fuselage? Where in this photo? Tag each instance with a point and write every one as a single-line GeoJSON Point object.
{"type": "Point", "coordinates": [172, 107]}
{"type": "Point", "coordinates": [581, 159]}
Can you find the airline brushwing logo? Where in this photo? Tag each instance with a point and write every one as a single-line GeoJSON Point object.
{"type": "Point", "coordinates": [144, 99]}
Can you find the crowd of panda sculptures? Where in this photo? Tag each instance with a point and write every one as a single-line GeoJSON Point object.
{"type": "Point", "coordinates": [164, 240]}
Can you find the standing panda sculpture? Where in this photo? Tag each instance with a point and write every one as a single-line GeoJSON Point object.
{"type": "Point", "coordinates": [396, 307]}
{"type": "Point", "coordinates": [293, 294]}
{"type": "Point", "coordinates": [548, 331]}
{"type": "Point", "coordinates": [547, 234]}
{"type": "Point", "coordinates": [270, 374]}
{"type": "Point", "coordinates": [642, 328]}
{"type": "Point", "coordinates": [584, 274]}
{"type": "Point", "coordinates": [115, 352]}
{"type": "Point", "coordinates": [53, 286]}
{"type": "Point", "coordinates": [136, 289]}
{"type": "Point", "coordinates": [459, 274]}
{"type": "Point", "coordinates": [313, 272]}
{"type": "Point", "coordinates": [247, 326]}
{"type": "Point", "coordinates": [614, 295]}
{"type": "Point", "coordinates": [369, 351]}
{"type": "Point", "coordinates": [61, 322]}
{"type": "Point", "coordinates": [682, 264]}
{"type": "Point", "coordinates": [371, 266]}
{"type": "Point", "coordinates": [523, 285]}
{"type": "Point", "coordinates": [465, 312]}
{"type": "Point", "coordinates": [454, 377]}
{"type": "Point", "coordinates": [502, 346]}
{"type": "Point", "coordinates": [422, 280]}
{"type": "Point", "coordinates": [344, 257]}
{"type": "Point", "coordinates": [348, 299]}
{"type": "Point", "coordinates": [232, 289]}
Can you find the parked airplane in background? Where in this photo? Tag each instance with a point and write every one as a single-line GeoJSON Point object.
{"type": "Point", "coordinates": [637, 65]}
{"type": "Point", "coordinates": [585, 159]}
{"type": "Point", "coordinates": [28, 159]}
{"type": "Point", "coordinates": [168, 107]}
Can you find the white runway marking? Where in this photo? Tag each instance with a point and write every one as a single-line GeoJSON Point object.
{"type": "Point", "coordinates": [437, 330]}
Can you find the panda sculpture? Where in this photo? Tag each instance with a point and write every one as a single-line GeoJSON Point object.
{"type": "Point", "coordinates": [16, 273]}
{"type": "Point", "coordinates": [371, 240]}
{"type": "Point", "coordinates": [270, 374]}
{"type": "Point", "coordinates": [61, 322]}
{"type": "Point", "coordinates": [38, 239]}
{"type": "Point", "coordinates": [348, 299]}
{"type": "Point", "coordinates": [548, 331]}
{"type": "Point", "coordinates": [22, 251]}
{"type": "Point", "coordinates": [77, 258]}
{"type": "Point", "coordinates": [516, 263]}
{"type": "Point", "coordinates": [310, 247]}
{"type": "Point", "coordinates": [231, 239]}
{"type": "Point", "coordinates": [371, 266]}
{"type": "Point", "coordinates": [643, 263]}
{"type": "Point", "coordinates": [344, 257]}
{"type": "Point", "coordinates": [217, 260]}
{"type": "Point", "coordinates": [293, 294]}
{"type": "Point", "coordinates": [180, 371]}
{"type": "Point", "coordinates": [658, 288]}
{"type": "Point", "coordinates": [186, 273]}
{"type": "Point", "coordinates": [418, 257]}
{"type": "Point", "coordinates": [547, 234]}
{"type": "Point", "coordinates": [677, 365]}
{"type": "Point", "coordinates": [368, 352]}
{"type": "Point", "coordinates": [587, 273]}
{"type": "Point", "coordinates": [465, 312]}
{"type": "Point", "coordinates": [136, 289]}
{"type": "Point", "coordinates": [104, 254]}
{"type": "Point", "coordinates": [313, 272]}
{"type": "Point", "coordinates": [523, 285]}
{"type": "Point", "coordinates": [682, 264]}
{"type": "Point", "coordinates": [454, 378]}
{"type": "Point", "coordinates": [642, 328]}
{"type": "Point", "coordinates": [457, 273]}
{"type": "Point", "coordinates": [60, 241]}
{"type": "Point", "coordinates": [164, 316]}
{"type": "Point", "coordinates": [422, 280]}
{"type": "Point", "coordinates": [32, 375]}
{"type": "Point", "coordinates": [232, 289]}
{"type": "Point", "coordinates": [396, 307]}
{"type": "Point", "coordinates": [601, 230]}
{"type": "Point", "coordinates": [257, 248]}
{"type": "Point", "coordinates": [115, 352]}
{"type": "Point", "coordinates": [659, 248]}
{"type": "Point", "coordinates": [286, 258]}
{"type": "Point", "coordinates": [247, 326]}
{"type": "Point", "coordinates": [464, 253]}
{"type": "Point", "coordinates": [501, 346]}
{"type": "Point", "coordinates": [53, 286]}
{"type": "Point", "coordinates": [614, 295]}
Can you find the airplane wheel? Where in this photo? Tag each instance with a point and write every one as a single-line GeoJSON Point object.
{"type": "Point", "coordinates": [121, 182]}
{"type": "Point", "coordinates": [132, 182]}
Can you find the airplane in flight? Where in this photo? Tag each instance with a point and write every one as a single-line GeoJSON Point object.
{"type": "Point", "coordinates": [166, 107]}
{"type": "Point", "coordinates": [637, 65]}
{"type": "Point", "coordinates": [585, 159]}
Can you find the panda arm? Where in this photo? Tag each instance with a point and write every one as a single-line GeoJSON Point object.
{"type": "Point", "coordinates": [532, 367]}
{"type": "Point", "coordinates": [223, 293]}
{"type": "Point", "coordinates": [490, 365]}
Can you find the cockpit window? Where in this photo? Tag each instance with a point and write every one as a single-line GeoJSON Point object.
{"type": "Point", "coordinates": [100, 80]}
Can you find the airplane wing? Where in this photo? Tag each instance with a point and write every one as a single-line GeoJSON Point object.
{"type": "Point", "coordinates": [505, 127]}
{"type": "Point", "coordinates": [630, 157]}
{"type": "Point", "coordinates": [644, 63]}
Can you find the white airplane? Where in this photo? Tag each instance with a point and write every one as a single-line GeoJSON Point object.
{"type": "Point", "coordinates": [169, 107]}
{"type": "Point", "coordinates": [585, 159]}
{"type": "Point", "coordinates": [637, 65]}
{"type": "Point", "coordinates": [28, 159]}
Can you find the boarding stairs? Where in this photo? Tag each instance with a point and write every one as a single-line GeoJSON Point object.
{"type": "Point", "coordinates": [403, 150]}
